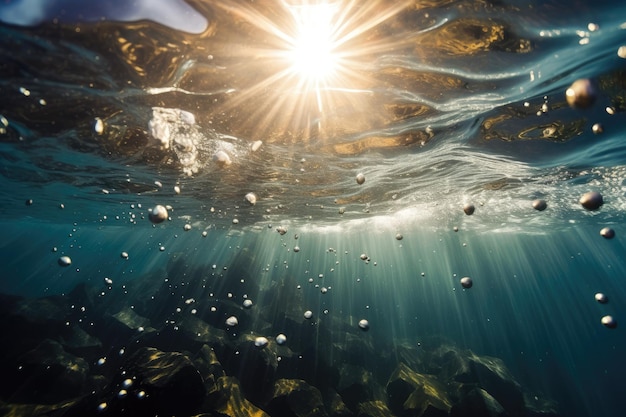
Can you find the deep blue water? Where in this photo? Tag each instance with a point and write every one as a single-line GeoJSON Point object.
{"type": "Point", "coordinates": [437, 104]}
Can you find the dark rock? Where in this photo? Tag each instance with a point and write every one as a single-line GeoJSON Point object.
{"type": "Point", "coordinates": [77, 341]}
{"type": "Point", "coordinates": [255, 368]}
{"type": "Point", "coordinates": [354, 348]}
{"type": "Point", "coordinates": [493, 376]}
{"type": "Point", "coordinates": [406, 353]}
{"type": "Point", "coordinates": [47, 375]}
{"type": "Point", "coordinates": [410, 393]}
{"type": "Point", "coordinates": [373, 409]}
{"type": "Point", "coordinates": [355, 385]}
{"type": "Point", "coordinates": [131, 321]}
{"type": "Point", "coordinates": [334, 404]}
{"type": "Point", "coordinates": [295, 398]}
{"type": "Point", "coordinates": [83, 297]}
{"type": "Point", "coordinates": [122, 327]}
{"type": "Point", "coordinates": [540, 406]}
{"type": "Point", "coordinates": [477, 402]}
{"type": "Point", "coordinates": [486, 372]}
{"type": "Point", "coordinates": [189, 334]}
{"type": "Point", "coordinates": [208, 365]}
{"type": "Point", "coordinates": [226, 400]}
{"type": "Point", "coordinates": [19, 410]}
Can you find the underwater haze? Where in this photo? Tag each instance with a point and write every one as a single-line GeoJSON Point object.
{"type": "Point", "coordinates": [313, 208]}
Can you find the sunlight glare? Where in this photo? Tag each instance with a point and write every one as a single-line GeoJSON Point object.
{"type": "Point", "coordinates": [312, 53]}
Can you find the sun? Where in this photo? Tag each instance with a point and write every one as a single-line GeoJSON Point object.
{"type": "Point", "coordinates": [312, 52]}
{"type": "Point", "coordinates": [315, 59]}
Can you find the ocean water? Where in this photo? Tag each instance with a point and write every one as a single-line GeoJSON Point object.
{"type": "Point", "coordinates": [109, 111]}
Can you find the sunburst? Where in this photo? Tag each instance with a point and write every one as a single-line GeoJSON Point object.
{"type": "Point", "coordinates": [319, 53]}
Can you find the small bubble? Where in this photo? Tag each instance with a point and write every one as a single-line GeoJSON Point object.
{"type": "Point", "coordinates": [65, 261]}
{"type": "Point", "coordinates": [281, 339]}
{"type": "Point", "coordinates": [124, 255]}
{"type": "Point", "coordinates": [260, 342]}
{"type": "Point", "coordinates": [581, 94]}
{"type": "Point", "coordinates": [597, 128]}
{"type": "Point", "coordinates": [158, 214]}
{"type": "Point", "coordinates": [232, 321]}
{"type": "Point", "coordinates": [98, 126]}
{"type": "Point", "coordinates": [469, 209]}
{"type": "Point", "coordinates": [247, 303]}
{"type": "Point", "coordinates": [609, 322]}
{"type": "Point", "coordinates": [364, 325]}
{"type": "Point", "coordinates": [466, 282]}
{"type": "Point", "coordinates": [187, 227]}
{"type": "Point", "coordinates": [607, 233]}
{"type": "Point", "coordinates": [601, 298]}
{"type": "Point", "coordinates": [308, 314]}
{"type": "Point", "coordinates": [591, 200]}
{"type": "Point", "coordinates": [539, 204]}
{"type": "Point", "coordinates": [251, 198]}
{"type": "Point", "coordinates": [360, 178]}
{"type": "Point", "coordinates": [222, 158]}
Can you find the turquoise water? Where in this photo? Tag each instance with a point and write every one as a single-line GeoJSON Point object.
{"type": "Point", "coordinates": [437, 105]}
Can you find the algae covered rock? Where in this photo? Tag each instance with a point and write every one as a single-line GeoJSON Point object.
{"type": "Point", "coordinates": [156, 382]}
{"type": "Point", "coordinates": [414, 394]}
{"type": "Point", "coordinates": [374, 409]}
{"type": "Point", "coordinates": [49, 372]}
{"type": "Point", "coordinates": [226, 400]}
{"type": "Point", "coordinates": [477, 402]}
{"type": "Point", "coordinates": [294, 397]}
{"type": "Point", "coordinates": [488, 373]}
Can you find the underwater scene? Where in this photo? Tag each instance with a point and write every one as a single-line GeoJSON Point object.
{"type": "Point", "coordinates": [313, 208]}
